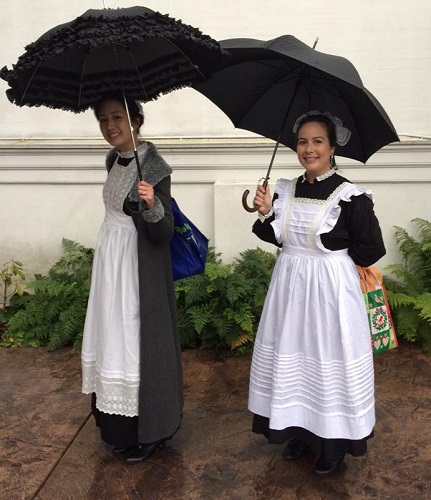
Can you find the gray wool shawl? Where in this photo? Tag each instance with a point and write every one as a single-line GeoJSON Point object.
{"type": "Point", "coordinates": [153, 169]}
{"type": "Point", "coordinates": [161, 389]}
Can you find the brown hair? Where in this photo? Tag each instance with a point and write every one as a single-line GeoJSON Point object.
{"type": "Point", "coordinates": [135, 108]}
{"type": "Point", "coordinates": [324, 120]}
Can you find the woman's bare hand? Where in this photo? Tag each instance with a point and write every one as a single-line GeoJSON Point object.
{"type": "Point", "coordinates": [146, 193]}
{"type": "Point", "coordinates": [262, 199]}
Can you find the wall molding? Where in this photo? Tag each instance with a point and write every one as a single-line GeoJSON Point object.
{"type": "Point", "coordinates": [51, 189]}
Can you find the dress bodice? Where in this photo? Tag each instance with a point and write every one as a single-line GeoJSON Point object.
{"type": "Point", "coordinates": [299, 222]}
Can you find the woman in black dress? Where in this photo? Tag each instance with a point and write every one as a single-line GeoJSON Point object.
{"type": "Point", "coordinates": [131, 356]}
{"type": "Point", "coordinates": [312, 377]}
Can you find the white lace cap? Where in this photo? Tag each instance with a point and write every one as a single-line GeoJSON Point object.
{"type": "Point", "coordinates": [342, 134]}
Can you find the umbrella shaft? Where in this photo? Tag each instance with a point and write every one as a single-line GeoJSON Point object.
{"type": "Point", "coordinates": [295, 91]}
{"type": "Point", "coordinates": [138, 165]}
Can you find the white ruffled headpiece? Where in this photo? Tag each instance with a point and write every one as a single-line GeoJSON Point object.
{"type": "Point", "coordinates": [342, 134]}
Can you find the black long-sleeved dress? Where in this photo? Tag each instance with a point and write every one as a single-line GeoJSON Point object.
{"type": "Point", "coordinates": [312, 370]}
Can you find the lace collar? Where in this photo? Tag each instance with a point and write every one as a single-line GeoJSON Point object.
{"type": "Point", "coordinates": [322, 177]}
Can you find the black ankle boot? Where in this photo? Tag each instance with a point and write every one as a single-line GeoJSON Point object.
{"type": "Point", "coordinates": [325, 466]}
{"type": "Point", "coordinates": [144, 451]}
{"type": "Point", "coordinates": [294, 449]}
{"type": "Point", "coordinates": [118, 450]}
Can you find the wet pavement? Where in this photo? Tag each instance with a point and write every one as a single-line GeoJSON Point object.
{"type": "Point", "coordinates": [51, 449]}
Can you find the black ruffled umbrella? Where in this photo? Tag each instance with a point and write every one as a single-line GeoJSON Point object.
{"type": "Point", "coordinates": [264, 86]}
{"type": "Point", "coordinates": [128, 51]}
{"type": "Point", "coordinates": [135, 50]}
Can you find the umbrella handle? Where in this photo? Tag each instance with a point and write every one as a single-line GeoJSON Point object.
{"type": "Point", "coordinates": [247, 192]}
{"type": "Point", "coordinates": [244, 202]}
{"type": "Point", "coordinates": [131, 207]}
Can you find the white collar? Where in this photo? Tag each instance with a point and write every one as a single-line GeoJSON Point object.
{"type": "Point", "coordinates": [322, 177]}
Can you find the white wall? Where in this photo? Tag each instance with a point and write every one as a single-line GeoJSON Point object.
{"type": "Point", "coordinates": [51, 162]}
{"type": "Point", "coordinates": [387, 40]}
{"type": "Point", "coordinates": [48, 194]}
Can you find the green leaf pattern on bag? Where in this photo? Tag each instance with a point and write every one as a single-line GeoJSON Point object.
{"type": "Point", "coordinates": [380, 325]}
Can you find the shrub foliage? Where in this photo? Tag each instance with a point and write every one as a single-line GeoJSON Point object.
{"type": "Point", "coordinates": [409, 285]}
{"type": "Point", "coordinates": [53, 315]}
{"type": "Point", "coordinates": [219, 309]}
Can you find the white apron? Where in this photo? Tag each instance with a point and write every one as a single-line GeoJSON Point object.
{"type": "Point", "coordinates": [111, 343]}
{"type": "Point", "coordinates": [312, 364]}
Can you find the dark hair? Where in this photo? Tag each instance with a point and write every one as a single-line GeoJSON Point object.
{"type": "Point", "coordinates": [324, 120]}
{"type": "Point", "coordinates": [135, 108]}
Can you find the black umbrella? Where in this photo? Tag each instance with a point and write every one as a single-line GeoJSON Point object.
{"type": "Point", "coordinates": [130, 51]}
{"type": "Point", "coordinates": [264, 86]}
{"type": "Point", "coordinates": [134, 50]}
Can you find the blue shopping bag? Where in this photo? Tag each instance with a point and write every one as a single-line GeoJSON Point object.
{"type": "Point", "coordinates": [189, 247]}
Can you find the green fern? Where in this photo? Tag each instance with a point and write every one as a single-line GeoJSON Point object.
{"type": "Point", "coordinates": [220, 309]}
{"type": "Point", "coordinates": [241, 341]}
{"type": "Point", "coordinates": [409, 287]}
{"type": "Point", "coordinates": [201, 316]}
{"type": "Point", "coordinates": [423, 304]}
{"type": "Point", "coordinates": [54, 315]}
{"type": "Point", "coordinates": [242, 317]}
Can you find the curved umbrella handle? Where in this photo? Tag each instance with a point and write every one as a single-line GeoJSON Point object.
{"type": "Point", "coordinates": [244, 202]}
{"type": "Point", "coordinates": [247, 192]}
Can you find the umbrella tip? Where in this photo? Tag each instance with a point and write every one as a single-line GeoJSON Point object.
{"type": "Point", "coordinates": [315, 42]}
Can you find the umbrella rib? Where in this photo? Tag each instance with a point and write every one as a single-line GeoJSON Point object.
{"type": "Point", "coordinates": [137, 71]}
{"type": "Point", "coordinates": [185, 55]}
{"type": "Point", "coordinates": [291, 77]}
{"type": "Point", "coordinates": [29, 82]}
{"type": "Point", "coordinates": [81, 79]}
{"type": "Point", "coordinates": [278, 81]}
{"type": "Point", "coordinates": [346, 102]}
{"type": "Point", "coordinates": [138, 165]}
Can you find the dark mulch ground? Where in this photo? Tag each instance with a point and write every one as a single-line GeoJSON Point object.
{"type": "Point", "coordinates": [50, 448]}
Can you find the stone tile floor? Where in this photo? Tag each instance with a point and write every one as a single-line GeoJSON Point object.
{"type": "Point", "coordinates": [51, 449]}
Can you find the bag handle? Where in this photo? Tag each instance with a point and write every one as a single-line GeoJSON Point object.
{"type": "Point", "coordinates": [363, 278]}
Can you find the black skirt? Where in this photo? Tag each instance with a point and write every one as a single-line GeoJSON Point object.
{"type": "Point", "coordinates": [115, 430]}
{"type": "Point", "coordinates": [329, 448]}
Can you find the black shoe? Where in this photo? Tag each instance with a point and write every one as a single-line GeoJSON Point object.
{"type": "Point", "coordinates": [118, 450]}
{"type": "Point", "coordinates": [294, 449]}
{"type": "Point", "coordinates": [324, 466]}
{"type": "Point", "coordinates": [143, 451]}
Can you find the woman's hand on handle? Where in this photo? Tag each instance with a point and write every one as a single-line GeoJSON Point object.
{"type": "Point", "coordinates": [263, 200]}
{"type": "Point", "coordinates": [146, 193]}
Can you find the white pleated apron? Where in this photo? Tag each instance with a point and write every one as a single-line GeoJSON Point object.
{"type": "Point", "coordinates": [312, 364]}
{"type": "Point", "coordinates": [110, 350]}
{"type": "Point", "coordinates": [111, 344]}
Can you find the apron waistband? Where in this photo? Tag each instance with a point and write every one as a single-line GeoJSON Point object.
{"type": "Point", "coordinates": [311, 252]}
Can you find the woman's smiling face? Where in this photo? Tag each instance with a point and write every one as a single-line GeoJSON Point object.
{"type": "Point", "coordinates": [313, 149]}
{"type": "Point", "coordinates": [114, 125]}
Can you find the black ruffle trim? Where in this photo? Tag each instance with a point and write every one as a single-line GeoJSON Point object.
{"type": "Point", "coordinates": [77, 63]}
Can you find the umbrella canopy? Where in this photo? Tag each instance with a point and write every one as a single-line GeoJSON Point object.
{"type": "Point", "coordinates": [264, 86]}
{"type": "Point", "coordinates": [135, 50]}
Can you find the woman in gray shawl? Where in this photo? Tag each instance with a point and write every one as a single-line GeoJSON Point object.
{"type": "Point", "coordinates": [131, 356]}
